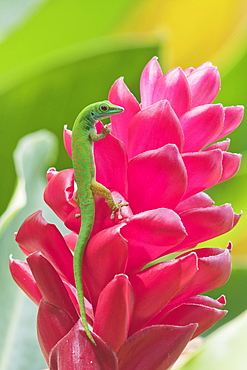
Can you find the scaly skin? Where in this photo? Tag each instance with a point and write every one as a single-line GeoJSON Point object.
{"type": "Point", "coordinates": [83, 136]}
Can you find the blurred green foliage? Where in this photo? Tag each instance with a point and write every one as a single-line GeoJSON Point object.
{"type": "Point", "coordinates": [224, 349]}
{"type": "Point", "coordinates": [55, 94]}
{"type": "Point", "coordinates": [18, 344]}
{"type": "Point", "coordinates": [49, 72]}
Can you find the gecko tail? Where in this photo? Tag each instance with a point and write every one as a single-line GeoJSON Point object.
{"type": "Point", "coordinates": [80, 294]}
{"type": "Point", "coordinates": [85, 325]}
{"type": "Point", "coordinates": [78, 256]}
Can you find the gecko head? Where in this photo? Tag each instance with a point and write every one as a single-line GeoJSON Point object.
{"type": "Point", "coordinates": [104, 109]}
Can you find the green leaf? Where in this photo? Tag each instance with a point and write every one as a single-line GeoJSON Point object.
{"type": "Point", "coordinates": [224, 349]}
{"type": "Point", "coordinates": [53, 92]}
{"type": "Point", "coordinates": [60, 24]}
{"type": "Point", "coordinates": [18, 343]}
{"type": "Point", "coordinates": [13, 13]}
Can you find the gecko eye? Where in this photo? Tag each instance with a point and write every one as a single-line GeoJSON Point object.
{"type": "Point", "coordinates": [104, 108]}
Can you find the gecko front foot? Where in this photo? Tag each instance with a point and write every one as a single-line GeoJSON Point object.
{"type": "Point", "coordinates": [105, 131]}
{"type": "Point", "coordinates": [117, 209]}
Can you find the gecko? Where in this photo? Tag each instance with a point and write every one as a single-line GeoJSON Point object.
{"type": "Point", "coordinates": [83, 136]}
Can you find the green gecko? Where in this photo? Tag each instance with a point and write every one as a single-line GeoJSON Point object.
{"type": "Point", "coordinates": [83, 136]}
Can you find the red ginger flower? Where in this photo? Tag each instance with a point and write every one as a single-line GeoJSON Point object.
{"type": "Point", "coordinates": [156, 159]}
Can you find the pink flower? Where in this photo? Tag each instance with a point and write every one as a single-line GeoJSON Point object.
{"type": "Point", "coordinates": [161, 156]}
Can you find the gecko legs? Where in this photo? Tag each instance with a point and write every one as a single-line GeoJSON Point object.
{"type": "Point", "coordinates": [102, 191]}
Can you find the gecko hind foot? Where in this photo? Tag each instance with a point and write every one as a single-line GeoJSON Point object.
{"type": "Point", "coordinates": [117, 209]}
